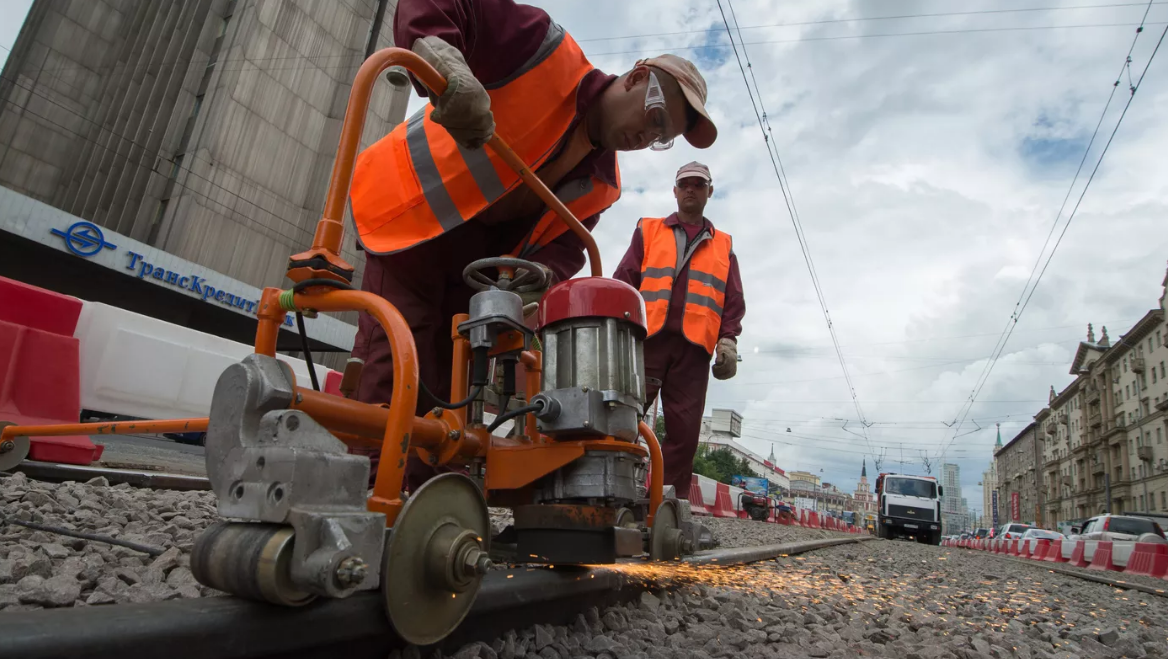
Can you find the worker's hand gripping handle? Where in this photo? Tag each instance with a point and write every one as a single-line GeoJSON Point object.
{"type": "Point", "coordinates": [323, 259]}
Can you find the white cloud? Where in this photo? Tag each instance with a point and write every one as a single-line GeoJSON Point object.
{"type": "Point", "coordinates": [927, 171]}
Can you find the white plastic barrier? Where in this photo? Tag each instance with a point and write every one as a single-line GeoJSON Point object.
{"type": "Point", "coordinates": [1121, 553]}
{"type": "Point", "coordinates": [135, 365]}
{"type": "Point", "coordinates": [736, 498]}
{"type": "Point", "coordinates": [1089, 549]}
{"type": "Point", "coordinates": [709, 490]}
{"type": "Point", "coordinates": [1069, 548]}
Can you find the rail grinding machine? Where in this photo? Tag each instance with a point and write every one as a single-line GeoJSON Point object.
{"type": "Point", "coordinates": [573, 471]}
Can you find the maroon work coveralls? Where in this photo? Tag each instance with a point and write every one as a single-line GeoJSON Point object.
{"type": "Point", "coordinates": [676, 367]}
{"type": "Point", "coordinates": [425, 281]}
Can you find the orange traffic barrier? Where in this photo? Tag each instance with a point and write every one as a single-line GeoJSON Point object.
{"type": "Point", "coordinates": [1054, 553]}
{"type": "Point", "coordinates": [1149, 559]}
{"type": "Point", "coordinates": [1077, 559]}
{"type": "Point", "coordinates": [1038, 551]}
{"type": "Point", "coordinates": [1101, 559]}
{"type": "Point", "coordinates": [723, 507]}
{"type": "Point", "coordinates": [696, 505]}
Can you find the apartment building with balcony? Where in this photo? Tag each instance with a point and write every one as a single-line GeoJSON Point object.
{"type": "Point", "coordinates": [1105, 436]}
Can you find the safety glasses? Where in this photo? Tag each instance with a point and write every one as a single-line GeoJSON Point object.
{"type": "Point", "coordinates": [656, 115]}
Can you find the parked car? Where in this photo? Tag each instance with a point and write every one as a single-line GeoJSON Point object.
{"type": "Point", "coordinates": [1118, 527]}
{"type": "Point", "coordinates": [1041, 534]}
{"type": "Point", "coordinates": [1012, 531]}
{"type": "Point", "coordinates": [981, 534]}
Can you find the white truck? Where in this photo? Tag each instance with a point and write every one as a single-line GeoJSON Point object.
{"type": "Point", "coordinates": [908, 506]}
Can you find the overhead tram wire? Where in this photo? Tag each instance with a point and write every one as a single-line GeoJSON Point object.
{"type": "Point", "coordinates": [1007, 331]}
{"type": "Point", "coordinates": [784, 187]}
{"type": "Point", "coordinates": [1023, 28]}
{"type": "Point", "coordinates": [861, 19]}
{"type": "Point", "coordinates": [1098, 162]}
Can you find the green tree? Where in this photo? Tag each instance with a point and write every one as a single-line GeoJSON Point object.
{"type": "Point", "coordinates": [659, 428]}
{"type": "Point", "coordinates": [720, 464]}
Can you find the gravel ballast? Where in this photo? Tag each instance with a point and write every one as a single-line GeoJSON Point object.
{"type": "Point", "coordinates": [39, 569]}
{"type": "Point", "coordinates": [872, 599]}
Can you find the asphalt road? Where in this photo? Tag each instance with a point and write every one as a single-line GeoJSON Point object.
{"type": "Point", "coordinates": [151, 452]}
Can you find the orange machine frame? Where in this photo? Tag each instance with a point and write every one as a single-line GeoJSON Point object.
{"type": "Point", "coordinates": [441, 436]}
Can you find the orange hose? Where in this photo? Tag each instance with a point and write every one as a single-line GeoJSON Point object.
{"type": "Point", "coordinates": [656, 472]}
{"type": "Point", "coordinates": [108, 428]}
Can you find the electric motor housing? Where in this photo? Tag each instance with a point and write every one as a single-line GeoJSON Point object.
{"type": "Point", "coordinates": [593, 332]}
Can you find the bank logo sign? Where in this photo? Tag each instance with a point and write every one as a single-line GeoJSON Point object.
{"type": "Point", "coordinates": [84, 239]}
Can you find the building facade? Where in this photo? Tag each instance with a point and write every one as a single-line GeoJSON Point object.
{"type": "Point", "coordinates": [990, 516]}
{"type": "Point", "coordinates": [954, 517]}
{"type": "Point", "coordinates": [863, 499]}
{"type": "Point", "coordinates": [192, 138]}
{"type": "Point", "coordinates": [1105, 434]}
{"type": "Point", "coordinates": [722, 429]}
{"type": "Point", "coordinates": [1019, 465]}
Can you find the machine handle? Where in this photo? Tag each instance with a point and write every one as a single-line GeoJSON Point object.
{"type": "Point", "coordinates": [330, 229]}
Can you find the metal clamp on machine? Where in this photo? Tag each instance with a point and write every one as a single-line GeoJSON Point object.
{"type": "Point", "coordinates": [279, 467]}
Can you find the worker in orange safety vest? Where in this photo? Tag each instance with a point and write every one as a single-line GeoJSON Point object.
{"type": "Point", "coordinates": [428, 199]}
{"type": "Point", "coordinates": [688, 275]}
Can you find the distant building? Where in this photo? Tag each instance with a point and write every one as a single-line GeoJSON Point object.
{"type": "Point", "coordinates": [865, 501]}
{"type": "Point", "coordinates": [722, 430]}
{"type": "Point", "coordinates": [989, 484]}
{"type": "Point", "coordinates": [168, 157]}
{"type": "Point", "coordinates": [1102, 437]}
{"type": "Point", "coordinates": [1018, 465]}
{"type": "Point", "coordinates": [953, 516]}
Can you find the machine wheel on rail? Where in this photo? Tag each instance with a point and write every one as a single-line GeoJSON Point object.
{"type": "Point", "coordinates": [573, 469]}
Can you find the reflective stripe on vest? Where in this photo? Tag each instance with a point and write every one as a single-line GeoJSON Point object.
{"type": "Point", "coordinates": [665, 254]}
{"type": "Point", "coordinates": [417, 182]}
{"type": "Point", "coordinates": [585, 197]}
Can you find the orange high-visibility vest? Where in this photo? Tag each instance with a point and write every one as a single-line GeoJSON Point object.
{"type": "Point", "coordinates": [417, 183]}
{"type": "Point", "coordinates": [585, 197]}
{"type": "Point", "coordinates": [666, 254]}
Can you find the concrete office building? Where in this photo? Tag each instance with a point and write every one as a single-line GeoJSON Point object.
{"type": "Point", "coordinates": [953, 514]}
{"type": "Point", "coordinates": [151, 152]}
{"type": "Point", "coordinates": [722, 430]}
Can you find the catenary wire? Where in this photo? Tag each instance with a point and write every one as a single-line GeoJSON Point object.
{"type": "Point", "coordinates": [1016, 316]}
{"type": "Point", "coordinates": [772, 153]}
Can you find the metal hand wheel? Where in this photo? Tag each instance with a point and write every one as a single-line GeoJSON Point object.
{"type": "Point", "coordinates": [527, 276]}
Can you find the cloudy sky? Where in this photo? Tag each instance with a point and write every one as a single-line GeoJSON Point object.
{"type": "Point", "coordinates": [927, 170]}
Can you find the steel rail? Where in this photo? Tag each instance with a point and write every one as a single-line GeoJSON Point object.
{"type": "Point", "coordinates": [230, 628]}
{"type": "Point", "coordinates": [57, 472]}
{"type": "Point", "coordinates": [1099, 578]}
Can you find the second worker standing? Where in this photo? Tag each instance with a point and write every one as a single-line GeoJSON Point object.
{"type": "Point", "coordinates": [688, 275]}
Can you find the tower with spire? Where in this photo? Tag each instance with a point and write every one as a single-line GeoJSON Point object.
{"type": "Point", "coordinates": [865, 503]}
{"type": "Point", "coordinates": [998, 444]}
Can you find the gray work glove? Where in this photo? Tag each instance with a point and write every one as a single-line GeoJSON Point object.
{"type": "Point", "coordinates": [725, 359]}
{"type": "Point", "coordinates": [464, 109]}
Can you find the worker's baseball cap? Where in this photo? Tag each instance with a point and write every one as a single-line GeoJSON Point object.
{"type": "Point", "coordinates": [694, 170]}
{"type": "Point", "coordinates": [693, 85]}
